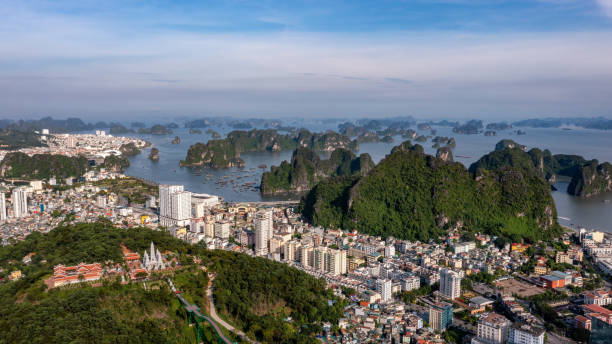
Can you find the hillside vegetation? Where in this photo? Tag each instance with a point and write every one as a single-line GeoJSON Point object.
{"type": "Point", "coordinates": [588, 178]}
{"type": "Point", "coordinates": [226, 152]}
{"type": "Point", "coordinates": [44, 166]}
{"type": "Point", "coordinates": [411, 195]}
{"type": "Point", "coordinates": [255, 293]}
{"type": "Point", "coordinates": [306, 169]}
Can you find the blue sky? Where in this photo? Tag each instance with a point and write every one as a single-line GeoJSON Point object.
{"type": "Point", "coordinates": [426, 58]}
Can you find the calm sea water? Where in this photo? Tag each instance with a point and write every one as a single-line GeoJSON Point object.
{"type": "Point", "coordinates": [575, 212]}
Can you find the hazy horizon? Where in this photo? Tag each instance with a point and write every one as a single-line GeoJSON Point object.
{"type": "Point", "coordinates": [451, 59]}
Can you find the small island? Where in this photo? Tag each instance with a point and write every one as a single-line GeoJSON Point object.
{"type": "Point", "coordinates": [225, 153]}
{"type": "Point", "coordinates": [176, 140]}
{"type": "Point", "coordinates": [157, 129]}
{"type": "Point", "coordinates": [154, 154]}
{"type": "Point", "coordinates": [306, 169]}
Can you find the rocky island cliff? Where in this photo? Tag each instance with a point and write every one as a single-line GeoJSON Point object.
{"type": "Point", "coordinates": [226, 152]}
{"type": "Point", "coordinates": [306, 169]}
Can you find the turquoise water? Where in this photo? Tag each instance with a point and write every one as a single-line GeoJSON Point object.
{"type": "Point", "coordinates": [592, 144]}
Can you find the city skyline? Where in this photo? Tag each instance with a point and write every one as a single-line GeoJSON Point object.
{"type": "Point", "coordinates": [443, 59]}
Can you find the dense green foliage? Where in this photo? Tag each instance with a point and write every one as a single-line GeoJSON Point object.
{"type": "Point", "coordinates": [591, 179]}
{"type": "Point", "coordinates": [129, 149]}
{"type": "Point", "coordinates": [306, 169]}
{"type": "Point", "coordinates": [411, 195]}
{"type": "Point", "coordinates": [42, 166]}
{"type": "Point", "coordinates": [255, 293]}
{"type": "Point", "coordinates": [588, 177]}
{"type": "Point", "coordinates": [226, 152]}
{"type": "Point", "coordinates": [260, 301]}
{"type": "Point", "coordinates": [14, 139]}
{"type": "Point", "coordinates": [116, 163]}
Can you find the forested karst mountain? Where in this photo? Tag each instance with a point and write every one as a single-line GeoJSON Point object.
{"type": "Point", "coordinates": [226, 152]}
{"type": "Point", "coordinates": [412, 195]}
{"type": "Point", "coordinates": [588, 178]}
{"type": "Point", "coordinates": [306, 169]}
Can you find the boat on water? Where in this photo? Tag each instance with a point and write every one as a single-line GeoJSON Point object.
{"type": "Point", "coordinates": [564, 218]}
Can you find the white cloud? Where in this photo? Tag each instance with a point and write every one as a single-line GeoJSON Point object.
{"type": "Point", "coordinates": [606, 6]}
{"type": "Point", "coordinates": [64, 65]}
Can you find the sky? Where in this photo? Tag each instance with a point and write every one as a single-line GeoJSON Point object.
{"type": "Point", "coordinates": [485, 59]}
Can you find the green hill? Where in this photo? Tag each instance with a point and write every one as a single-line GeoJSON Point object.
{"type": "Point", "coordinates": [588, 178]}
{"type": "Point", "coordinates": [306, 169]}
{"type": "Point", "coordinates": [411, 195]}
{"type": "Point", "coordinates": [255, 293]}
{"type": "Point", "coordinates": [226, 152]}
{"type": "Point", "coordinates": [44, 166]}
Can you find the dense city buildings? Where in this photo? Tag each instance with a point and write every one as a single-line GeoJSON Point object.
{"type": "Point", "coordinates": [390, 284]}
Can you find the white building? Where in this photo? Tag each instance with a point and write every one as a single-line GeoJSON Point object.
{"type": "Point", "coordinates": [383, 287]}
{"type": "Point", "coordinates": [2, 206]}
{"type": "Point", "coordinates": [222, 230]}
{"type": "Point", "coordinates": [263, 231]}
{"type": "Point", "coordinates": [411, 283]}
{"type": "Point", "coordinates": [335, 262]}
{"type": "Point", "coordinates": [20, 202]}
{"type": "Point", "coordinates": [101, 201]}
{"type": "Point", "coordinates": [464, 247]}
{"type": "Point", "coordinates": [450, 283]}
{"type": "Point", "coordinates": [525, 334]}
{"type": "Point", "coordinates": [174, 205]}
{"type": "Point", "coordinates": [492, 329]}
{"type": "Point", "coordinates": [389, 251]}
{"type": "Point", "coordinates": [153, 260]}
{"type": "Point", "coordinates": [36, 185]}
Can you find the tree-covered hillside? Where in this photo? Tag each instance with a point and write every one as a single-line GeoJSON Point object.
{"type": "Point", "coordinates": [255, 293]}
{"type": "Point", "coordinates": [306, 169]}
{"type": "Point", "coordinates": [412, 195]}
{"type": "Point", "coordinates": [226, 152]}
{"type": "Point", "coordinates": [588, 178]}
{"type": "Point", "coordinates": [44, 166]}
{"type": "Point", "coordinates": [15, 139]}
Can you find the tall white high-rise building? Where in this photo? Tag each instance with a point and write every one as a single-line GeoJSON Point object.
{"type": "Point", "coordinates": [181, 207]}
{"type": "Point", "coordinates": [336, 262]}
{"type": "Point", "coordinates": [263, 231]}
{"type": "Point", "coordinates": [174, 205]}
{"type": "Point", "coordinates": [383, 287]}
{"type": "Point", "coordinates": [222, 230]}
{"type": "Point", "coordinates": [20, 202]}
{"type": "Point", "coordinates": [2, 206]}
{"type": "Point", "coordinates": [450, 284]}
